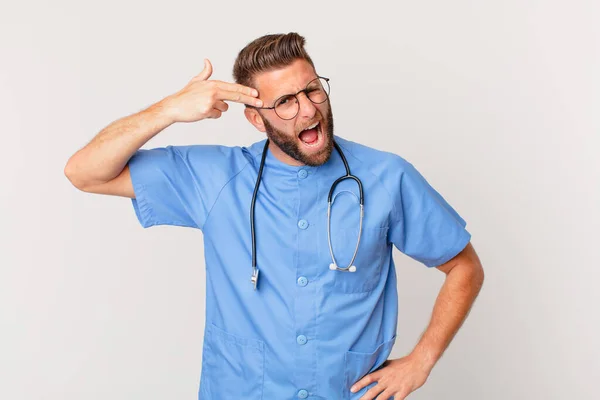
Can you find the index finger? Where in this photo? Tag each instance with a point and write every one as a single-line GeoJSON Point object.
{"type": "Point", "coordinates": [239, 97]}
{"type": "Point", "coordinates": [236, 87]}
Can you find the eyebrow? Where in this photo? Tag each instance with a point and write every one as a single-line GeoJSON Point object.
{"type": "Point", "coordinates": [294, 93]}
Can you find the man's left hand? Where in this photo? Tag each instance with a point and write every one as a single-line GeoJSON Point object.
{"type": "Point", "coordinates": [397, 378]}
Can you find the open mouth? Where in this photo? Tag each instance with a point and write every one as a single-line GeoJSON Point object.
{"type": "Point", "coordinates": [312, 136]}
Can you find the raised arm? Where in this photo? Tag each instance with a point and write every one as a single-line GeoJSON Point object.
{"type": "Point", "coordinates": [101, 166]}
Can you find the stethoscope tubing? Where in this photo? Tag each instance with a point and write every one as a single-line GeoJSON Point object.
{"type": "Point", "coordinates": [330, 200]}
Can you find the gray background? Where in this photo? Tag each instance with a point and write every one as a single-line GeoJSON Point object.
{"type": "Point", "coordinates": [495, 102]}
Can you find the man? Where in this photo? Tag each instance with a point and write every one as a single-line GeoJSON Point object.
{"type": "Point", "coordinates": [294, 309]}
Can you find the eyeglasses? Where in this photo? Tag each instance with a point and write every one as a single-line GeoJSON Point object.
{"type": "Point", "coordinates": [287, 106]}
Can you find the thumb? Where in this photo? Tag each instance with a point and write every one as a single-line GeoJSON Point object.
{"type": "Point", "coordinates": [206, 72]}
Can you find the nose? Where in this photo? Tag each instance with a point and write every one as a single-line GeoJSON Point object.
{"type": "Point", "coordinates": [307, 107]}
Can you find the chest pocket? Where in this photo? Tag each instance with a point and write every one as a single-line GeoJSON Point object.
{"type": "Point", "coordinates": [368, 262]}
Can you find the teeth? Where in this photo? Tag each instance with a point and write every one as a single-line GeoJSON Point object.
{"type": "Point", "coordinates": [312, 126]}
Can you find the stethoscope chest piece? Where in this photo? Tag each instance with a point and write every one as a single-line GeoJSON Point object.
{"type": "Point", "coordinates": [333, 267]}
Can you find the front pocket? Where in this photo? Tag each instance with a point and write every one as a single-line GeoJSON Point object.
{"type": "Point", "coordinates": [368, 261]}
{"type": "Point", "coordinates": [358, 364]}
{"type": "Point", "coordinates": [232, 366]}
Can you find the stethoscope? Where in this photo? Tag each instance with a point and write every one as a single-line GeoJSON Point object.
{"type": "Point", "coordinates": [334, 265]}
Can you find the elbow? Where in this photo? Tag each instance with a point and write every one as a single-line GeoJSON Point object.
{"type": "Point", "coordinates": [70, 172]}
{"type": "Point", "coordinates": [474, 275]}
{"type": "Point", "coordinates": [479, 275]}
{"type": "Point", "coordinates": [473, 267]}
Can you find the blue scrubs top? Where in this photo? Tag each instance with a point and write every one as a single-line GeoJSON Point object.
{"type": "Point", "coordinates": [307, 332]}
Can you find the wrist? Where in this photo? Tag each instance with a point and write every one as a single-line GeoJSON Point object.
{"type": "Point", "coordinates": [425, 358]}
{"type": "Point", "coordinates": [164, 111]}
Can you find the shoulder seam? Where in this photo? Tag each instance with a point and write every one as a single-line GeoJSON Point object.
{"type": "Point", "coordinates": [220, 191]}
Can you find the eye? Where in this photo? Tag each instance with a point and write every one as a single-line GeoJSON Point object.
{"type": "Point", "coordinates": [285, 100]}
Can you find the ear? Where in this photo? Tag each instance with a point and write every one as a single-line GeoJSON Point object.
{"type": "Point", "coordinates": [254, 118]}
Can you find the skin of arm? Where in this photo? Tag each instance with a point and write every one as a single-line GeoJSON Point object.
{"type": "Point", "coordinates": [105, 157]}
{"type": "Point", "coordinates": [399, 377]}
{"type": "Point", "coordinates": [464, 279]}
{"type": "Point", "coordinates": [101, 166]}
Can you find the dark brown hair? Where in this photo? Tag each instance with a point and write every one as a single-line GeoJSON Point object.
{"type": "Point", "coordinates": [267, 53]}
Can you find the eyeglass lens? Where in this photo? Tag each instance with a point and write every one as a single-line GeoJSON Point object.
{"type": "Point", "coordinates": [317, 91]}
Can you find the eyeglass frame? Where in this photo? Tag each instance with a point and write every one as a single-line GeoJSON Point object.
{"type": "Point", "coordinates": [297, 99]}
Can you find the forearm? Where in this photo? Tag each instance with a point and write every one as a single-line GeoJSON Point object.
{"type": "Point", "coordinates": [105, 156]}
{"type": "Point", "coordinates": [459, 291]}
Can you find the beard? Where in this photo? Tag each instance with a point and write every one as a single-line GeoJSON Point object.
{"type": "Point", "coordinates": [290, 144]}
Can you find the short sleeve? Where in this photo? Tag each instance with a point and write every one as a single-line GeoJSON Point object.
{"type": "Point", "coordinates": [177, 185]}
{"type": "Point", "coordinates": [425, 226]}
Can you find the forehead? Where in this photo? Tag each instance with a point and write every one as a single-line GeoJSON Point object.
{"type": "Point", "coordinates": [286, 80]}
